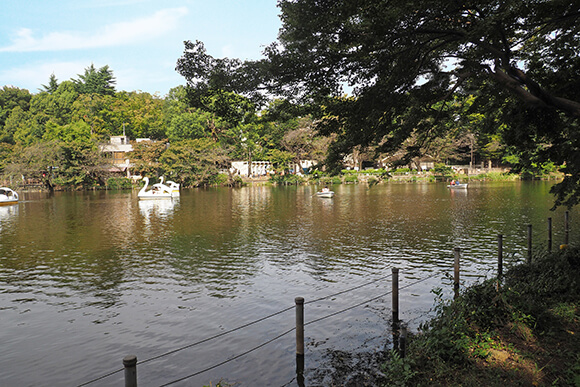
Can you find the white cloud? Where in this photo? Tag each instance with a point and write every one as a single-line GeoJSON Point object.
{"type": "Point", "coordinates": [33, 76]}
{"type": "Point", "coordinates": [116, 34]}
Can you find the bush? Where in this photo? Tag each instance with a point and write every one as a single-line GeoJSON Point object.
{"type": "Point", "coordinates": [536, 308]}
{"type": "Point", "coordinates": [119, 183]}
{"type": "Point", "coordinates": [330, 180]}
{"type": "Point", "coordinates": [442, 169]}
{"type": "Point", "coordinates": [219, 179]}
{"type": "Point", "coordinates": [287, 179]}
{"type": "Point", "coordinates": [350, 179]}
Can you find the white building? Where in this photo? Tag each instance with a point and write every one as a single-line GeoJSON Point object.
{"type": "Point", "coordinates": [259, 168]}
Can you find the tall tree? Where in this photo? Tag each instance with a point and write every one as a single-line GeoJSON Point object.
{"type": "Point", "coordinates": [96, 81]}
{"type": "Point", "coordinates": [52, 85]}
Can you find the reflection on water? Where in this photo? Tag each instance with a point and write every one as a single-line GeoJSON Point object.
{"type": "Point", "coordinates": [156, 208]}
{"type": "Point", "coordinates": [96, 276]}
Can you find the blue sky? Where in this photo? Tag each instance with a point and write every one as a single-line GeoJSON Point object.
{"type": "Point", "coordinates": [140, 40]}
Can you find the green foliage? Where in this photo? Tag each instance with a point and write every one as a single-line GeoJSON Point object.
{"type": "Point", "coordinates": [195, 125]}
{"type": "Point", "coordinates": [96, 81]}
{"type": "Point", "coordinates": [442, 169]}
{"type": "Point", "coordinates": [286, 179]}
{"type": "Point", "coordinates": [10, 98]}
{"type": "Point", "coordinates": [52, 85]}
{"type": "Point", "coordinates": [145, 157]}
{"type": "Point", "coordinates": [194, 162]}
{"type": "Point", "coordinates": [429, 78]}
{"type": "Point", "coordinates": [219, 179]}
{"type": "Point", "coordinates": [330, 180]}
{"type": "Point", "coordinates": [402, 170]}
{"type": "Point", "coordinates": [351, 179]}
{"type": "Point", "coordinates": [534, 303]}
{"type": "Point", "coordinates": [398, 371]}
{"type": "Point", "coordinates": [119, 183]}
{"type": "Point", "coordinates": [280, 159]}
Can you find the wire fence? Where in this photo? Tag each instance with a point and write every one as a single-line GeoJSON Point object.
{"type": "Point", "coordinates": [512, 251]}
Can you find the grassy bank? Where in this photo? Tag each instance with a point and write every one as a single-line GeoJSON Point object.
{"type": "Point", "coordinates": [525, 334]}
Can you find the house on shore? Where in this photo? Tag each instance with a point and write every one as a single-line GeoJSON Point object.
{"type": "Point", "coordinates": [117, 150]}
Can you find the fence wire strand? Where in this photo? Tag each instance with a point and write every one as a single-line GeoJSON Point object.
{"type": "Point", "coordinates": [228, 360]}
{"type": "Point", "coordinates": [369, 300]}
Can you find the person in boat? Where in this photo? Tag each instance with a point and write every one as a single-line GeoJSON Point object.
{"type": "Point", "coordinates": [452, 182]}
{"type": "Point", "coordinates": [325, 189]}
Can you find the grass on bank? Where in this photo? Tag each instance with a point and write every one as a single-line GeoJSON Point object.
{"type": "Point", "coordinates": [526, 334]}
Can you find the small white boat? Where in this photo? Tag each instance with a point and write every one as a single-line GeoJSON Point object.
{"type": "Point", "coordinates": [457, 186]}
{"type": "Point", "coordinates": [325, 193]}
{"type": "Point", "coordinates": [157, 191]}
{"type": "Point", "coordinates": [8, 196]}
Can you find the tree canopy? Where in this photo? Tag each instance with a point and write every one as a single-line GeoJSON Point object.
{"type": "Point", "coordinates": [404, 64]}
{"type": "Point", "coordinates": [96, 81]}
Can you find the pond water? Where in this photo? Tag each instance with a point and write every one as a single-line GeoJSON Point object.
{"type": "Point", "coordinates": [88, 278]}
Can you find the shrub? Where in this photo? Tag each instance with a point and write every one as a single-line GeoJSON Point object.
{"type": "Point", "coordinates": [219, 179]}
{"type": "Point", "coordinates": [119, 183]}
{"type": "Point", "coordinates": [350, 178]}
{"type": "Point", "coordinates": [330, 180]}
{"type": "Point", "coordinates": [287, 179]}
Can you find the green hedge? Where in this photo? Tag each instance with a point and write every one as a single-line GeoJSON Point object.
{"type": "Point", "coordinates": [119, 183]}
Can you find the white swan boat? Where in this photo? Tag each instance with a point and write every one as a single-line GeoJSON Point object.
{"type": "Point", "coordinates": [8, 196]}
{"type": "Point", "coordinates": [173, 187]}
{"type": "Point", "coordinates": [157, 191]}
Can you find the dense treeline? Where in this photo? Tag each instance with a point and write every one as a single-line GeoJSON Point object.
{"type": "Point", "coordinates": [469, 82]}
{"type": "Point", "coordinates": [54, 136]}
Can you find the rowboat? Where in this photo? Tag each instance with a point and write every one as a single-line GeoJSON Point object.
{"type": "Point", "coordinates": [325, 193]}
{"type": "Point", "coordinates": [8, 196]}
{"type": "Point", "coordinates": [457, 186]}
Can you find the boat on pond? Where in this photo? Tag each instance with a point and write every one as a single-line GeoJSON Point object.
{"type": "Point", "coordinates": [173, 187]}
{"type": "Point", "coordinates": [325, 193]}
{"type": "Point", "coordinates": [458, 186]}
{"type": "Point", "coordinates": [157, 191]}
{"type": "Point", "coordinates": [8, 196]}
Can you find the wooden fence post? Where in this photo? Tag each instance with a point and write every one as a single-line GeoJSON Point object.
{"type": "Point", "coordinates": [529, 243]}
{"type": "Point", "coordinates": [549, 234]}
{"type": "Point", "coordinates": [566, 228]}
{"type": "Point", "coordinates": [403, 342]}
{"type": "Point", "coordinates": [457, 251]}
{"type": "Point", "coordinates": [499, 259]}
{"type": "Point", "coordinates": [395, 293]}
{"type": "Point", "coordinates": [299, 326]}
{"type": "Point", "coordinates": [130, 363]}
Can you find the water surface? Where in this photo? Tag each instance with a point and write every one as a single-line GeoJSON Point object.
{"type": "Point", "coordinates": [88, 278]}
